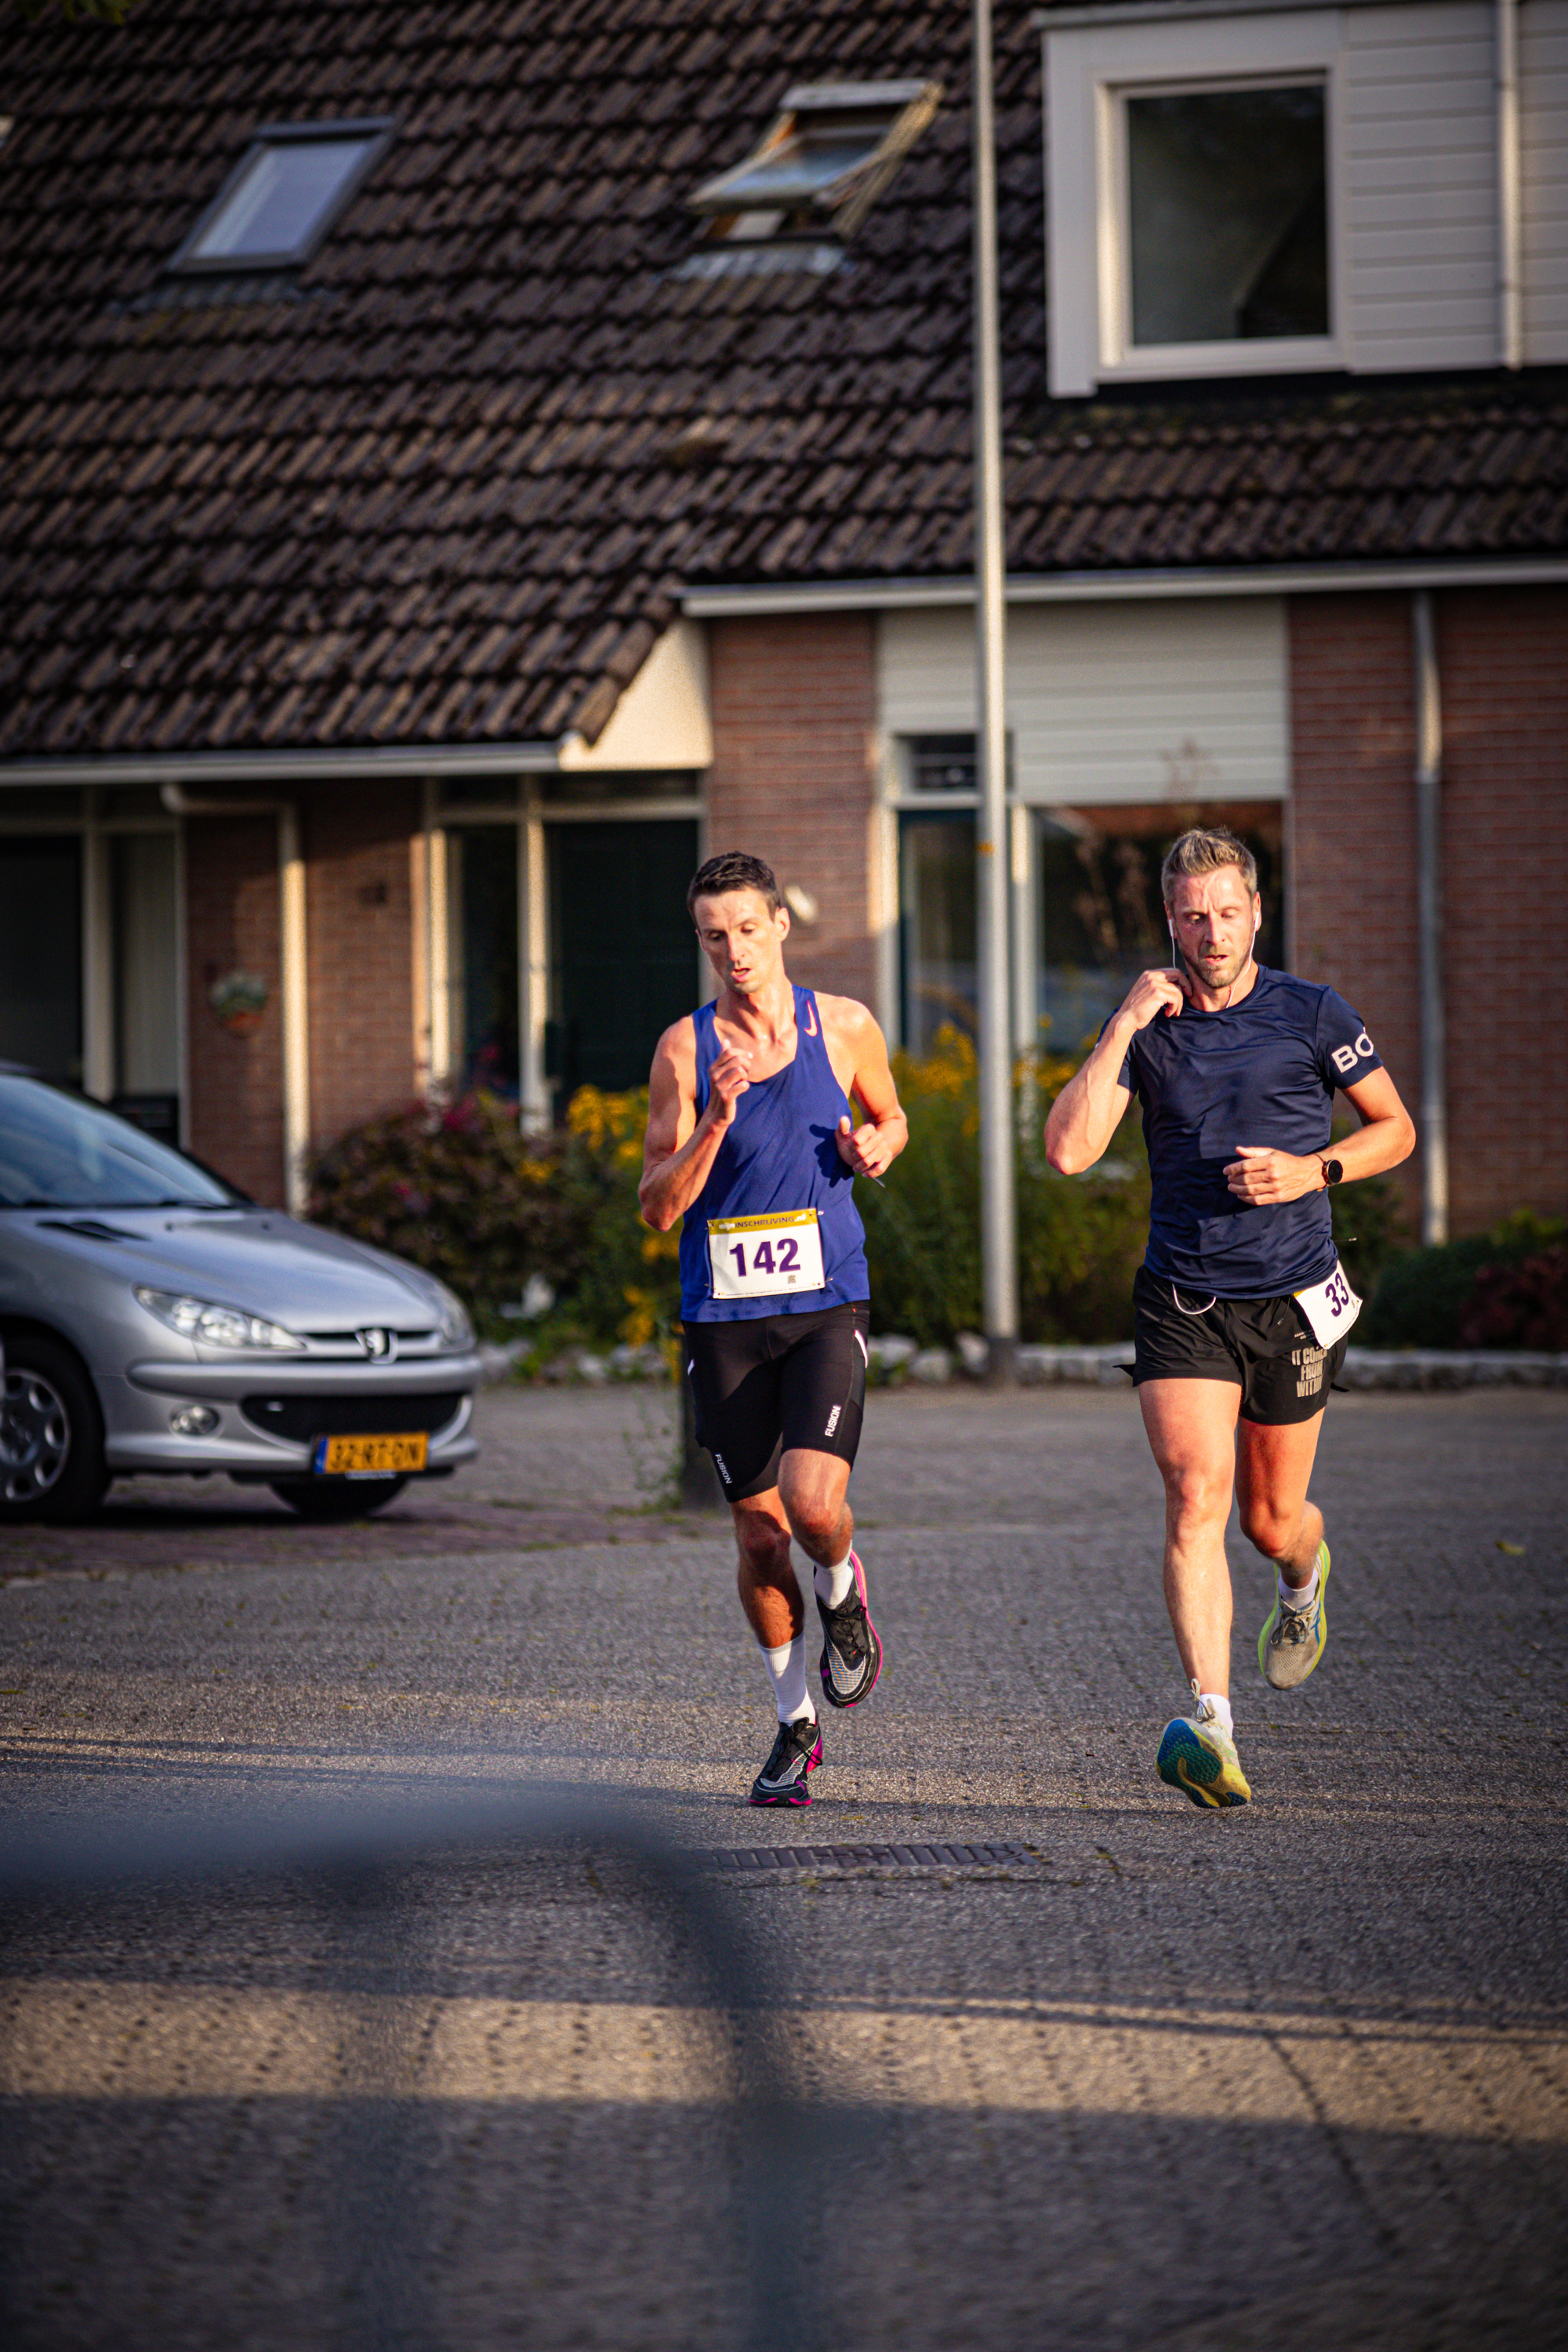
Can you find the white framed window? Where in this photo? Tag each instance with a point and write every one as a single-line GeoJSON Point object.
{"type": "Point", "coordinates": [1194, 218]}
{"type": "Point", "coordinates": [283, 195]}
{"type": "Point", "coordinates": [1218, 223]}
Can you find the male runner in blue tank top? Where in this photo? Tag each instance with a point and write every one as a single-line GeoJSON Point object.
{"type": "Point", "coordinates": [751, 1139]}
{"type": "Point", "coordinates": [1241, 1313]}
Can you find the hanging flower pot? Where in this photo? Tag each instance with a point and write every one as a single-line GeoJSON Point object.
{"type": "Point", "coordinates": [240, 1001]}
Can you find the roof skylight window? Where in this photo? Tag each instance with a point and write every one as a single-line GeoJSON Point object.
{"type": "Point", "coordinates": [274, 208]}
{"type": "Point", "coordinates": [823, 162]}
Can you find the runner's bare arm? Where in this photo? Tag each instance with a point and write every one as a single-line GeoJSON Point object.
{"type": "Point", "coordinates": [1388, 1136]}
{"type": "Point", "coordinates": [859, 1052]}
{"type": "Point", "coordinates": [1092, 1105]}
{"type": "Point", "coordinates": [680, 1149]}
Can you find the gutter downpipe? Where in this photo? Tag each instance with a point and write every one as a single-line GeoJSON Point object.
{"type": "Point", "coordinates": [1429, 923]}
{"type": "Point", "coordinates": [999, 1251]}
{"type": "Point", "coordinates": [1511, 269]}
{"type": "Point", "coordinates": [293, 971]}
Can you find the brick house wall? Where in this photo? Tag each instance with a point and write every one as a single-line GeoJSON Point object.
{"type": "Point", "coordinates": [794, 720]}
{"type": "Point", "coordinates": [1503, 661]}
{"type": "Point", "coordinates": [359, 940]}
{"type": "Point", "coordinates": [359, 926]}
{"type": "Point", "coordinates": [1503, 657]}
{"type": "Point", "coordinates": [234, 1118]}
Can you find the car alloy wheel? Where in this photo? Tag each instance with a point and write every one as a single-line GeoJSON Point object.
{"type": "Point", "coordinates": [51, 1433]}
{"type": "Point", "coordinates": [35, 1436]}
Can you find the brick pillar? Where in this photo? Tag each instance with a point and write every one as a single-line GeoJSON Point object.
{"type": "Point", "coordinates": [359, 924]}
{"type": "Point", "coordinates": [1502, 654]}
{"type": "Point", "coordinates": [234, 1118]}
{"type": "Point", "coordinates": [1503, 663]}
{"type": "Point", "coordinates": [795, 717]}
{"type": "Point", "coordinates": [1352, 759]}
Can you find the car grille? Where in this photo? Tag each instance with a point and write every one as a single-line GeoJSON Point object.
{"type": "Point", "coordinates": [302, 1418]}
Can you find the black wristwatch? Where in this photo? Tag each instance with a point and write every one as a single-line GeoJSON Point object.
{"type": "Point", "coordinates": [1332, 1171]}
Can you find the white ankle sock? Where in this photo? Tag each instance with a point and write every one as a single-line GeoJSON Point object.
{"type": "Point", "coordinates": [786, 1672]}
{"type": "Point", "coordinates": [1300, 1597]}
{"type": "Point", "coordinates": [1219, 1706]}
{"type": "Point", "coordinates": [833, 1585]}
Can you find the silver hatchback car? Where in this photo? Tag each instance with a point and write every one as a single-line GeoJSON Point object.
{"type": "Point", "coordinates": [153, 1319]}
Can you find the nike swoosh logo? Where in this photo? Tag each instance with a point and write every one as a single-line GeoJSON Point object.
{"type": "Point", "coordinates": [843, 1677]}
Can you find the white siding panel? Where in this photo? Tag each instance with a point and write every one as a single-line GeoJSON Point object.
{"type": "Point", "coordinates": [1419, 215]}
{"type": "Point", "coordinates": [1184, 701]}
{"type": "Point", "coordinates": [1543, 172]}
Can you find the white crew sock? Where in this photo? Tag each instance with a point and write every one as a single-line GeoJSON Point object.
{"type": "Point", "coordinates": [1299, 1596]}
{"type": "Point", "coordinates": [1219, 1707]}
{"type": "Point", "coordinates": [833, 1585]}
{"type": "Point", "coordinates": [786, 1672]}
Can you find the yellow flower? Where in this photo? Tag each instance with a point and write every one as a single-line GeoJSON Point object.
{"type": "Point", "coordinates": [638, 1327]}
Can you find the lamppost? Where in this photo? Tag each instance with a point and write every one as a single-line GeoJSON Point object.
{"type": "Point", "coordinates": [999, 1210]}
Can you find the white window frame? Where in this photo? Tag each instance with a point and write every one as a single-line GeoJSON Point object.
{"type": "Point", "coordinates": [1089, 73]}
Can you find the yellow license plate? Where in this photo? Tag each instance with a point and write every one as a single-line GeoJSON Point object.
{"type": "Point", "coordinates": [371, 1457]}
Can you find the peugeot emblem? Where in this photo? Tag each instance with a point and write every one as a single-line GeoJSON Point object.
{"type": "Point", "coordinates": [379, 1346]}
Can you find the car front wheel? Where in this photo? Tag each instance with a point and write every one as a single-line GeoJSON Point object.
{"type": "Point", "coordinates": [336, 1499]}
{"type": "Point", "coordinates": [52, 1434]}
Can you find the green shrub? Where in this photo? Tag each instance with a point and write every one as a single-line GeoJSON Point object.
{"type": "Point", "coordinates": [1423, 1296]}
{"type": "Point", "coordinates": [1519, 1306]}
{"type": "Point", "coordinates": [1369, 1230]}
{"type": "Point", "coordinates": [1080, 1238]}
{"type": "Point", "coordinates": [460, 1192]}
{"type": "Point", "coordinates": [463, 1194]}
{"type": "Point", "coordinates": [628, 1287]}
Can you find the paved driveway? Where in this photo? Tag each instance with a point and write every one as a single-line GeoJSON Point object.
{"type": "Point", "coordinates": [1113, 2070]}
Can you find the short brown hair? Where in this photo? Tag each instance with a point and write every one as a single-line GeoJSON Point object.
{"type": "Point", "coordinates": [1204, 850]}
{"type": "Point", "coordinates": [733, 870]}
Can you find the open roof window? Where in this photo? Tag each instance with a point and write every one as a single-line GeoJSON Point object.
{"type": "Point", "coordinates": [287, 189]}
{"type": "Point", "coordinates": [823, 162]}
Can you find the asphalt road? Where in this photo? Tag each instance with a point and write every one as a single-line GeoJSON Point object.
{"type": "Point", "coordinates": [1266, 2079]}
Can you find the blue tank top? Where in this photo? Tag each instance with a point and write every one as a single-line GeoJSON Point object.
{"type": "Point", "coordinates": [779, 1154]}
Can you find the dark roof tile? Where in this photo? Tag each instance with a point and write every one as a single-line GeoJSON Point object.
{"type": "Point", "coordinates": [448, 484]}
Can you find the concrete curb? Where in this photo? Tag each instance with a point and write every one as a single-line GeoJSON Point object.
{"type": "Point", "coordinates": [1406, 1369]}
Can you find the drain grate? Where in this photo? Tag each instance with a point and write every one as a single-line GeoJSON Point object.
{"type": "Point", "coordinates": [749, 1859]}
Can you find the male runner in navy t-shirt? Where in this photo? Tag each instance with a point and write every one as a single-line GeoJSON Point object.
{"type": "Point", "coordinates": [751, 1139]}
{"type": "Point", "coordinates": [1241, 1311]}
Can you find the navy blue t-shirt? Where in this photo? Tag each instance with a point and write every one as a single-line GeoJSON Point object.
{"type": "Point", "coordinates": [1262, 1072]}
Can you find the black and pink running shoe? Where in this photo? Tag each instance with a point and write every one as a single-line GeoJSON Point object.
{"type": "Point", "coordinates": [851, 1651]}
{"type": "Point", "coordinates": [796, 1751]}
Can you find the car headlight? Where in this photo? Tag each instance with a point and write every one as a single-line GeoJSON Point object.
{"type": "Point", "coordinates": [218, 1326]}
{"type": "Point", "coordinates": [457, 1331]}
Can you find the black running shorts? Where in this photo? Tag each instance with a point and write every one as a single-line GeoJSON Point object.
{"type": "Point", "coordinates": [1264, 1345]}
{"type": "Point", "coordinates": [772, 1384]}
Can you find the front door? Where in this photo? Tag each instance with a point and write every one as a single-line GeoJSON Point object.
{"type": "Point", "coordinates": [40, 956]}
{"type": "Point", "coordinates": [624, 951]}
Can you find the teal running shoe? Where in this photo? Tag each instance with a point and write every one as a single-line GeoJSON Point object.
{"type": "Point", "coordinates": [1198, 1755]}
{"type": "Point", "coordinates": [1293, 1640]}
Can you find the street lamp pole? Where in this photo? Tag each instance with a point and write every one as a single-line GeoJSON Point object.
{"type": "Point", "coordinates": [997, 1206]}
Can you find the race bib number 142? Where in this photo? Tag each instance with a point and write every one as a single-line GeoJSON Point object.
{"type": "Point", "coordinates": [760, 1257]}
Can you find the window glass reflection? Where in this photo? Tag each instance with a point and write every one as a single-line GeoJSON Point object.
{"type": "Point", "coordinates": [1102, 918]}
{"type": "Point", "coordinates": [1227, 215]}
{"type": "Point", "coordinates": [937, 896]}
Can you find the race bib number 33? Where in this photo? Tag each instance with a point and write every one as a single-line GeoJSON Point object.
{"type": "Point", "coordinates": [1330, 1307]}
{"type": "Point", "coordinates": [762, 1257]}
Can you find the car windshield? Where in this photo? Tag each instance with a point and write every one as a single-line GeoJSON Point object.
{"type": "Point", "coordinates": [58, 1152]}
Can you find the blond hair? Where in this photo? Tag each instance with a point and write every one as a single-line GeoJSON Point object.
{"type": "Point", "coordinates": [1206, 851]}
